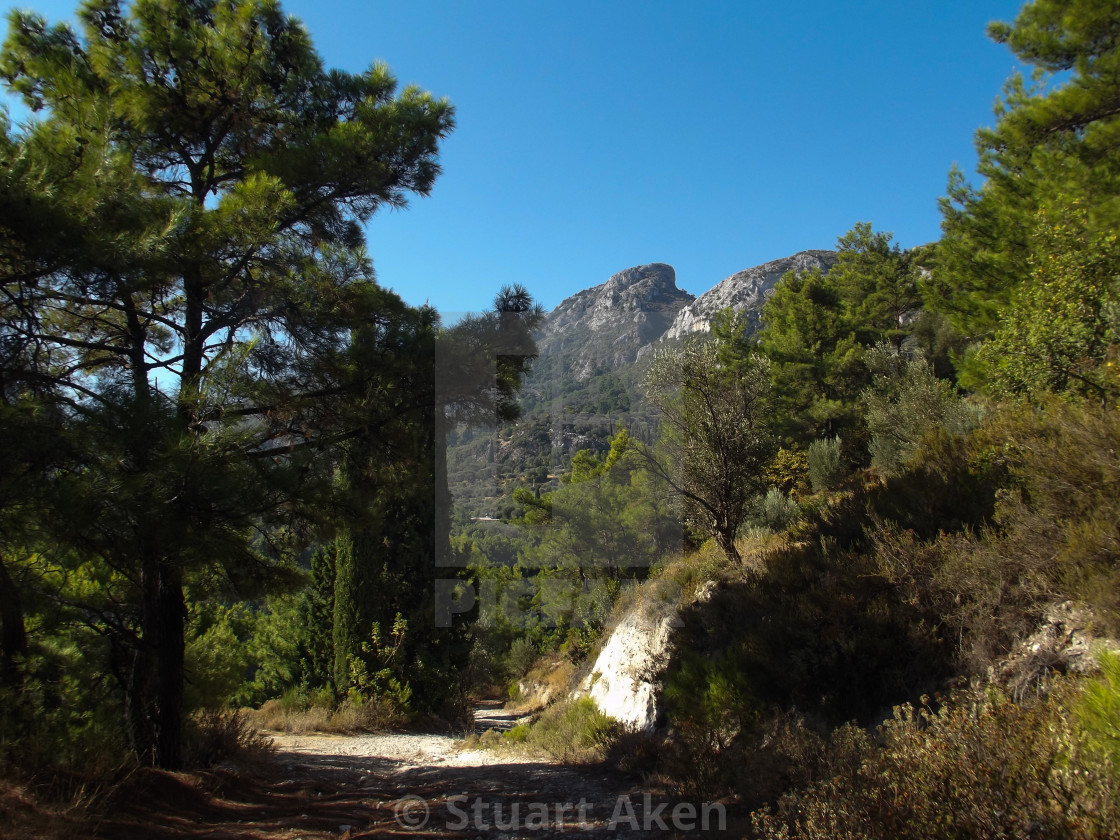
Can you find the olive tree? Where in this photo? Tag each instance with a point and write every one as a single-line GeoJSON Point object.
{"type": "Point", "coordinates": [715, 438]}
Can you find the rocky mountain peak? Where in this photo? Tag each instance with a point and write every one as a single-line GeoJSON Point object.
{"type": "Point", "coordinates": [745, 291]}
{"type": "Point", "coordinates": [610, 324]}
{"type": "Point", "coordinates": [644, 282]}
{"type": "Point", "coordinates": [614, 324]}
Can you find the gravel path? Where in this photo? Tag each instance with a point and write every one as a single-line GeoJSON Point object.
{"type": "Point", "coordinates": [330, 787]}
{"type": "Point", "coordinates": [406, 751]}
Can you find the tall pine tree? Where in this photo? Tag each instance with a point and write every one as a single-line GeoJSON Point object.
{"type": "Point", "coordinates": [191, 195]}
{"type": "Point", "coordinates": [1052, 158]}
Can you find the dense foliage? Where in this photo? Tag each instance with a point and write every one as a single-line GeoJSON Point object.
{"type": "Point", "coordinates": [192, 335]}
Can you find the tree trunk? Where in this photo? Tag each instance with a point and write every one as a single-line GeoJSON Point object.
{"type": "Point", "coordinates": [13, 631]}
{"type": "Point", "coordinates": [140, 705]}
{"type": "Point", "coordinates": [154, 702]}
{"type": "Point", "coordinates": [726, 540]}
{"type": "Point", "coordinates": [171, 648]}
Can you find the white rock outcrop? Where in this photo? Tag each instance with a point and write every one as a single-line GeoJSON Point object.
{"type": "Point", "coordinates": [622, 680]}
{"type": "Point", "coordinates": [1066, 641]}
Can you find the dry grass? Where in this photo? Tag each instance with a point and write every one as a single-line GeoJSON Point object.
{"type": "Point", "coordinates": [347, 718]}
{"type": "Point", "coordinates": [23, 817]}
{"type": "Point", "coordinates": [681, 578]}
{"type": "Point", "coordinates": [62, 804]}
{"type": "Point", "coordinates": [218, 735]}
{"type": "Point", "coordinates": [548, 681]}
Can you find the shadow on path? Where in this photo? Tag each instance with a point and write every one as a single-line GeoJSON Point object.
{"type": "Point", "coordinates": [318, 795]}
{"type": "Point", "coordinates": [490, 714]}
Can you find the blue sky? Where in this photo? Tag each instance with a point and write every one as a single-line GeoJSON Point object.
{"type": "Point", "coordinates": [713, 136]}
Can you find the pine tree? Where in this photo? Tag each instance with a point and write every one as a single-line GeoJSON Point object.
{"type": "Point", "coordinates": [1054, 148]}
{"type": "Point", "coordinates": [184, 260]}
{"type": "Point", "coordinates": [817, 328]}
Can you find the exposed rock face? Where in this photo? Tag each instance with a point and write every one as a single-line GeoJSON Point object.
{"type": "Point", "coordinates": [1065, 642]}
{"type": "Point", "coordinates": [745, 291]}
{"type": "Point", "coordinates": [611, 323]}
{"type": "Point", "coordinates": [621, 681]}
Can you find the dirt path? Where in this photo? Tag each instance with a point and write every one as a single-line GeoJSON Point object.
{"type": "Point", "coordinates": [397, 785]}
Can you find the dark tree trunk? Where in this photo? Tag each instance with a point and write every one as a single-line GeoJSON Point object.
{"type": "Point", "coordinates": [140, 704]}
{"type": "Point", "coordinates": [13, 631]}
{"type": "Point", "coordinates": [726, 540]}
{"type": "Point", "coordinates": [170, 645]}
{"type": "Point", "coordinates": [154, 701]}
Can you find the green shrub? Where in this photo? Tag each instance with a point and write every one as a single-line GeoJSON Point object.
{"type": "Point", "coordinates": [294, 699]}
{"type": "Point", "coordinates": [696, 760]}
{"type": "Point", "coordinates": [824, 463]}
{"type": "Point", "coordinates": [1099, 712]}
{"type": "Point", "coordinates": [322, 697]}
{"type": "Point", "coordinates": [272, 648]}
{"type": "Point", "coordinates": [784, 752]}
{"type": "Point", "coordinates": [789, 472]}
{"type": "Point", "coordinates": [61, 726]}
{"type": "Point", "coordinates": [483, 667]}
{"type": "Point", "coordinates": [775, 510]}
{"type": "Point", "coordinates": [710, 702]}
{"type": "Point", "coordinates": [982, 534]}
{"type": "Point", "coordinates": [687, 574]}
{"type": "Point", "coordinates": [580, 641]}
{"type": "Point", "coordinates": [982, 766]}
{"type": "Point", "coordinates": [216, 661]}
{"type": "Point", "coordinates": [522, 655]}
{"type": "Point", "coordinates": [904, 405]}
{"type": "Point", "coordinates": [575, 732]}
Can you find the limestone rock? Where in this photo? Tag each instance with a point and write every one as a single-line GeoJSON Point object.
{"type": "Point", "coordinates": [610, 324]}
{"type": "Point", "coordinates": [1064, 642]}
{"type": "Point", "coordinates": [621, 681]}
{"type": "Point", "coordinates": [745, 291]}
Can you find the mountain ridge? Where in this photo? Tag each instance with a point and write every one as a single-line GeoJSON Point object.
{"type": "Point", "coordinates": [609, 324]}
{"type": "Point", "coordinates": [744, 291]}
{"type": "Point", "coordinates": [618, 322]}
{"type": "Point", "coordinates": [587, 378]}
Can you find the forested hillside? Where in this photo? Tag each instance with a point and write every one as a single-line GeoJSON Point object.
{"type": "Point", "coordinates": [896, 493]}
{"type": "Point", "coordinates": [882, 492]}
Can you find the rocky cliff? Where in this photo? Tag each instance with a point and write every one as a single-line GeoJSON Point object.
{"type": "Point", "coordinates": [622, 682]}
{"type": "Point", "coordinates": [614, 324]}
{"type": "Point", "coordinates": [745, 291]}
{"type": "Point", "coordinates": [610, 325]}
